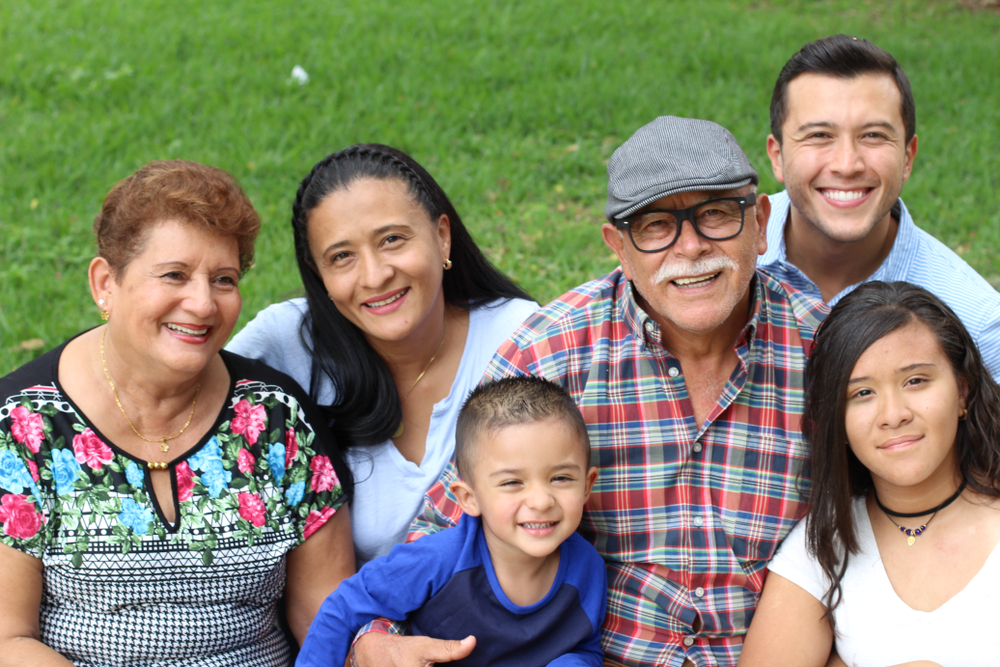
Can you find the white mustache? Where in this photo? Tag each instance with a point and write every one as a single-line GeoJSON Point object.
{"type": "Point", "coordinates": [703, 266]}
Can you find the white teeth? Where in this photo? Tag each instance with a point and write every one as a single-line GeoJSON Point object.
{"type": "Point", "coordinates": [539, 525]}
{"type": "Point", "coordinates": [379, 304]}
{"type": "Point", "coordinates": [844, 195]}
{"type": "Point", "coordinates": [184, 330]}
{"type": "Point", "coordinates": [694, 281]}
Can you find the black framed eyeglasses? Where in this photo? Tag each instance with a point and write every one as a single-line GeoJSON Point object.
{"type": "Point", "coordinates": [716, 220]}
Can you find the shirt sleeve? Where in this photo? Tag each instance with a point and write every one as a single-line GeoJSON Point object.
{"type": "Point", "coordinates": [439, 509]}
{"type": "Point", "coordinates": [794, 562]}
{"type": "Point", "coordinates": [24, 511]}
{"type": "Point", "coordinates": [589, 576]}
{"type": "Point", "coordinates": [392, 586]}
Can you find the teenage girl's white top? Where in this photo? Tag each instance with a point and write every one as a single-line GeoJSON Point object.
{"type": "Point", "coordinates": [388, 488]}
{"type": "Point", "coordinates": [876, 628]}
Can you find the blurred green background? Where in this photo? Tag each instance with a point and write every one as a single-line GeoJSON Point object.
{"type": "Point", "coordinates": [514, 107]}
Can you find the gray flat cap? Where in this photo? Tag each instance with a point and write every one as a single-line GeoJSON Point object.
{"type": "Point", "coordinates": [673, 155]}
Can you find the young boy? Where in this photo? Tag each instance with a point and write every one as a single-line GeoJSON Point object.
{"type": "Point", "coordinates": [513, 573]}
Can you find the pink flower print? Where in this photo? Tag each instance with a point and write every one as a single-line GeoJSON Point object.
{"type": "Point", "coordinates": [20, 520]}
{"type": "Point", "coordinates": [291, 447]}
{"type": "Point", "coordinates": [252, 508]}
{"type": "Point", "coordinates": [89, 449]}
{"type": "Point", "coordinates": [185, 481]}
{"type": "Point", "coordinates": [249, 420]}
{"type": "Point", "coordinates": [33, 469]}
{"type": "Point", "coordinates": [27, 427]}
{"type": "Point", "coordinates": [245, 461]}
{"type": "Point", "coordinates": [324, 478]}
{"type": "Point", "coordinates": [315, 521]}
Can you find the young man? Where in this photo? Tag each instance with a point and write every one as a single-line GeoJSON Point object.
{"type": "Point", "coordinates": [843, 142]}
{"type": "Point", "coordinates": [514, 573]}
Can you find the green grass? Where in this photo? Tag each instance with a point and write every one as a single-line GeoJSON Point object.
{"type": "Point", "coordinates": [515, 108]}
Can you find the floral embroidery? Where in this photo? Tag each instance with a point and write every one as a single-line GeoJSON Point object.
{"type": "Point", "coordinates": [20, 518]}
{"type": "Point", "coordinates": [315, 520]}
{"type": "Point", "coordinates": [294, 494]}
{"type": "Point", "coordinates": [324, 478]}
{"type": "Point", "coordinates": [245, 461]}
{"type": "Point", "coordinates": [249, 420]}
{"type": "Point", "coordinates": [65, 470]}
{"type": "Point", "coordinates": [291, 447]}
{"type": "Point", "coordinates": [27, 427]}
{"type": "Point", "coordinates": [134, 475]}
{"type": "Point", "coordinates": [89, 449]}
{"type": "Point", "coordinates": [256, 476]}
{"type": "Point", "coordinates": [276, 461]}
{"type": "Point", "coordinates": [135, 517]}
{"type": "Point", "coordinates": [14, 475]}
{"type": "Point", "coordinates": [185, 481]}
{"type": "Point", "coordinates": [252, 508]}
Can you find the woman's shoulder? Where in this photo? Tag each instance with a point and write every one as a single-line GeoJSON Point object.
{"type": "Point", "coordinates": [41, 370]}
{"type": "Point", "coordinates": [275, 337]}
{"type": "Point", "coordinates": [496, 321]}
{"type": "Point", "coordinates": [246, 370]}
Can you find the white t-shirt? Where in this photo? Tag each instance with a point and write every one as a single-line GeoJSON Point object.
{"type": "Point", "coordinates": [388, 489]}
{"type": "Point", "coordinates": [877, 629]}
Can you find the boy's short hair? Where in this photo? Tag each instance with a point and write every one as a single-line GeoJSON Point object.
{"type": "Point", "coordinates": [495, 405]}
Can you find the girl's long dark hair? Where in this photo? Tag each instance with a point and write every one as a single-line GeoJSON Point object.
{"type": "Point", "coordinates": [869, 313]}
{"type": "Point", "coordinates": [366, 407]}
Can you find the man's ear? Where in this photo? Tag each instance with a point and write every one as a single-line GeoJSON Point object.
{"type": "Point", "coordinates": [466, 497]}
{"type": "Point", "coordinates": [615, 239]}
{"type": "Point", "coordinates": [774, 153]}
{"type": "Point", "coordinates": [763, 213]}
{"type": "Point", "coordinates": [911, 152]}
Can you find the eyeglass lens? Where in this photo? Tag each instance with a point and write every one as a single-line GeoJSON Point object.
{"type": "Point", "coordinates": [716, 219]}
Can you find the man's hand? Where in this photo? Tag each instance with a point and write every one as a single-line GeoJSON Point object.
{"type": "Point", "coordinates": [381, 650]}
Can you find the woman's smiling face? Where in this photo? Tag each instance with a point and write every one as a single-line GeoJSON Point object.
{"type": "Point", "coordinates": [380, 257]}
{"type": "Point", "coordinates": [903, 407]}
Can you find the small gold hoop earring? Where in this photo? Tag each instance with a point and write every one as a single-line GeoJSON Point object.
{"type": "Point", "coordinates": [447, 264]}
{"type": "Point", "coordinates": [965, 413]}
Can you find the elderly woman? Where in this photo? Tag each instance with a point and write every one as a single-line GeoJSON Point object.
{"type": "Point", "coordinates": [159, 497]}
{"type": "Point", "coordinates": [401, 317]}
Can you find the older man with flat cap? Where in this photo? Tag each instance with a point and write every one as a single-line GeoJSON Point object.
{"type": "Point", "coordinates": [687, 364]}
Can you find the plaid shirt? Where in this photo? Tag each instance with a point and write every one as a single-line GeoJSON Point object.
{"type": "Point", "coordinates": [686, 517]}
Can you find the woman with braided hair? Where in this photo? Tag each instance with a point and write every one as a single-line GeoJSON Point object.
{"type": "Point", "coordinates": [401, 315]}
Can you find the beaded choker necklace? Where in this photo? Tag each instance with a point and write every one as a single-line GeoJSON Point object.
{"type": "Point", "coordinates": [912, 533]}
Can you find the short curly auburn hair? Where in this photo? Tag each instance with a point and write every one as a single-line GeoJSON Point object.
{"type": "Point", "coordinates": [190, 192]}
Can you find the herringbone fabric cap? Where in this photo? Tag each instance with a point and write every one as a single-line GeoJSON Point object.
{"type": "Point", "coordinates": [673, 155]}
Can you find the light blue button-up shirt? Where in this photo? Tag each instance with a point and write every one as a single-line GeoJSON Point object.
{"type": "Point", "coordinates": [916, 257]}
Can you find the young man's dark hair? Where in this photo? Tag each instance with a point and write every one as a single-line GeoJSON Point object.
{"type": "Point", "coordinates": [844, 57]}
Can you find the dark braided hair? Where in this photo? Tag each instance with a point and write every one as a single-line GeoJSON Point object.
{"type": "Point", "coordinates": [869, 313]}
{"type": "Point", "coordinates": [366, 408]}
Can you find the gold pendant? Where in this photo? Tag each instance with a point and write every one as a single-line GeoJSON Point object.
{"type": "Point", "coordinates": [164, 447]}
{"type": "Point", "coordinates": [910, 540]}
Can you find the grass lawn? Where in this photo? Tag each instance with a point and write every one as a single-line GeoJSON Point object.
{"type": "Point", "coordinates": [515, 108]}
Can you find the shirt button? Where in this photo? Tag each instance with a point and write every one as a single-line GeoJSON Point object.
{"type": "Point", "coordinates": [650, 327]}
{"type": "Point", "coordinates": [697, 447]}
{"type": "Point", "coordinates": [699, 592]}
{"type": "Point", "coordinates": [698, 521]}
{"type": "Point", "coordinates": [688, 641]}
{"type": "Point", "coordinates": [673, 372]}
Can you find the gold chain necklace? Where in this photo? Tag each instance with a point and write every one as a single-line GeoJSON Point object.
{"type": "Point", "coordinates": [401, 428]}
{"type": "Point", "coordinates": [164, 447]}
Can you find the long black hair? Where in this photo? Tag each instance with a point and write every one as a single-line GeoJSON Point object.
{"type": "Point", "coordinates": [366, 407]}
{"type": "Point", "coordinates": [869, 313]}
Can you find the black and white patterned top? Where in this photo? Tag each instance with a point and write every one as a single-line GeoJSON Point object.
{"type": "Point", "coordinates": [122, 586]}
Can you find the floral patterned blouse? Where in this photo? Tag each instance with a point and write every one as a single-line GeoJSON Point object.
{"type": "Point", "coordinates": [121, 584]}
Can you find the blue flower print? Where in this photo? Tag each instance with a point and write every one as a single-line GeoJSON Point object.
{"type": "Point", "coordinates": [65, 470]}
{"type": "Point", "coordinates": [276, 461]}
{"type": "Point", "coordinates": [133, 473]}
{"type": "Point", "coordinates": [216, 479]}
{"type": "Point", "coordinates": [135, 517]}
{"type": "Point", "coordinates": [14, 475]}
{"type": "Point", "coordinates": [295, 492]}
{"type": "Point", "coordinates": [208, 457]}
